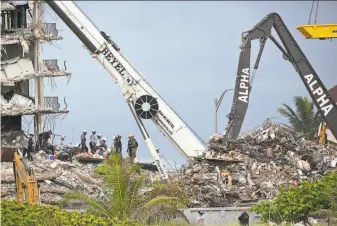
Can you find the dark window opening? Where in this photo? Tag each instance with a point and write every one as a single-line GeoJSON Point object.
{"type": "Point", "coordinates": [11, 123]}
{"type": "Point", "coordinates": [14, 19]}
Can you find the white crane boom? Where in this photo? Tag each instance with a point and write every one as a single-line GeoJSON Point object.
{"type": "Point", "coordinates": [143, 100]}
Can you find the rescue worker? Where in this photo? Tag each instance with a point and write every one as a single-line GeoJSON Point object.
{"type": "Point", "coordinates": [244, 218]}
{"type": "Point", "coordinates": [103, 144]}
{"type": "Point", "coordinates": [118, 144]}
{"type": "Point", "coordinates": [132, 147]}
{"type": "Point", "coordinates": [29, 147]}
{"type": "Point", "coordinates": [83, 141]}
{"type": "Point", "coordinates": [93, 141]}
{"type": "Point", "coordinates": [62, 145]}
{"type": "Point", "coordinates": [99, 139]}
{"type": "Point", "coordinates": [43, 138]}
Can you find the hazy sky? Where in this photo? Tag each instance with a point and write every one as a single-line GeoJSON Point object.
{"type": "Point", "coordinates": [188, 51]}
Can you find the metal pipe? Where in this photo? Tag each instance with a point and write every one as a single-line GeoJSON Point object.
{"type": "Point", "coordinates": [217, 103]}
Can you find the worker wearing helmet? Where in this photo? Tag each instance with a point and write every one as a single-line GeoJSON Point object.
{"type": "Point", "coordinates": [132, 147]}
{"type": "Point", "coordinates": [84, 141]}
{"type": "Point", "coordinates": [62, 145]}
{"type": "Point", "coordinates": [93, 141]}
{"type": "Point", "coordinates": [99, 139]}
{"type": "Point", "coordinates": [103, 144]}
{"type": "Point", "coordinates": [118, 144]}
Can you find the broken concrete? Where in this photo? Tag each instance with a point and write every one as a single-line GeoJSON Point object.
{"type": "Point", "coordinates": [246, 170]}
{"type": "Point", "coordinates": [259, 164]}
{"type": "Point", "coordinates": [56, 178]}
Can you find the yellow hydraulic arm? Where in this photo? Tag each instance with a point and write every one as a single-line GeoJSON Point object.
{"type": "Point", "coordinates": [322, 132]}
{"type": "Point", "coordinates": [27, 189]}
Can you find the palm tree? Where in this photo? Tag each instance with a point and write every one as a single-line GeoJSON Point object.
{"type": "Point", "coordinates": [123, 182]}
{"type": "Point", "coordinates": [304, 118]}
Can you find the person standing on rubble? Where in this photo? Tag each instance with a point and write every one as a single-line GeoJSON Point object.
{"type": "Point", "coordinates": [29, 147]}
{"type": "Point", "coordinates": [118, 144]}
{"type": "Point", "coordinates": [93, 141]}
{"type": "Point", "coordinates": [99, 140]}
{"type": "Point", "coordinates": [43, 138]}
{"type": "Point", "coordinates": [103, 144]}
{"type": "Point", "coordinates": [62, 145]}
{"type": "Point", "coordinates": [244, 218]}
{"type": "Point", "coordinates": [132, 147]}
{"type": "Point", "coordinates": [84, 141]}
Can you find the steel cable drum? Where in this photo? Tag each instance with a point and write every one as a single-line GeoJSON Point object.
{"type": "Point", "coordinates": [146, 107]}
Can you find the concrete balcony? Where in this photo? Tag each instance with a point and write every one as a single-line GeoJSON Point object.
{"type": "Point", "coordinates": [50, 68]}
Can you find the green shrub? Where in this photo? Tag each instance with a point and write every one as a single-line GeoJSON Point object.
{"type": "Point", "coordinates": [18, 214]}
{"type": "Point", "coordinates": [291, 205]}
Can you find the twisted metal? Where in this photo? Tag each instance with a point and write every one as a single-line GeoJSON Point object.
{"type": "Point", "coordinates": [51, 102]}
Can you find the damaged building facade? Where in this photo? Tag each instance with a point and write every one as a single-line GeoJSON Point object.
{"type": "Point", "coordinates": [23, 31]}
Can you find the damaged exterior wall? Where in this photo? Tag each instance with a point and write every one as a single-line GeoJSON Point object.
{"type": "Point", "coordinates": [17, 65]}
{"type": "Point", "coordinates": [13, 19]}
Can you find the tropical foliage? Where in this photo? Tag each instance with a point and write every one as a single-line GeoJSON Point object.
{"type": "Point", "coordinates": [123, 181]}
{"type": "Point", "coordinates": [303, 118]}
{"type": "Point", "coordinates": [294, 204]}
{"type": "Point", "coordinates": [18, 214]}
{"type": "Point", "coordinates": [171, 189]}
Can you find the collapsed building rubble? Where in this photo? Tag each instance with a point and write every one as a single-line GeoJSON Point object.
{"type": "Point", "coordinates": [55, 178]}
{"type": "Point", "coordinates": [235, 173]}
{"type": "Point", "coordinates": [255, 167]}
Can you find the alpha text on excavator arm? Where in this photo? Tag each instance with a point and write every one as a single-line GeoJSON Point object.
{"type": "Point", "coordinates": [291, 52]}
{"type": "Point", "coordinates": [27, 189]}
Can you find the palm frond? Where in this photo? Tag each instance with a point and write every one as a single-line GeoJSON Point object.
{"type": "Point", "coordinates": [159, 206]}
{"type": "Point", "coordinates": [305, 110]}
{"type": "Point", "coordinates": [116, 178]}
{"type": "Point", "coordinates": [86, 199]}
{"type": "Point", "coordinates": [176, 212]}
{"type": "Point", "coordinates": [135, 191]}
{"type": "Point", "coordinates": [161, 200]}
{"type": "Point", "coordinates": [292, 117]}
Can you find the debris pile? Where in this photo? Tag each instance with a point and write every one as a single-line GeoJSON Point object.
{"type": "Point", "coordinates": [255, 167]}
{"type": "Point", "coordinates": [55, 179]}
{"type": "Point", "coordinates": [231, 173]}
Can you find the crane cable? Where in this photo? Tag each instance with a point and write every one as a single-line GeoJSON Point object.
{"type": "Point", "coordinates": [316, 11]}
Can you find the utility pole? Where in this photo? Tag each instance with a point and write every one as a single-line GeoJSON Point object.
{"type": "Point", "coordinates": [217, 104]}
{"type": "Point", "coordinates": [37, 23]}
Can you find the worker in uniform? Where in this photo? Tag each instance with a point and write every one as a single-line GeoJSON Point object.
{"type": "Point", "coordinates": [244, 218]}
{"type": "Point", "coordinates": [132, 147]}
{"type": "Point", "coordinates": [43, 138]}
{"type": "Point", "coordinates": [29, 147]}
{"type": "Point", "coordinates": [93, 141]}
{"type": "Point", "coordinates": [62, 144]}
{"type": "Point", "coordinates": [103, 144]}
{"type": "Point", "coordinates": [84, 141]}
{"type": "Point", "coordinates": [118, 144]}
{"type": "Point", "coordinates": [99, 140]}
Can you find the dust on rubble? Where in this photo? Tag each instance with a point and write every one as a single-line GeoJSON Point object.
{"type": "Point", "coordinates": [56, 178]}
{"type": "Point", "coordinates": [231, 172]}
{"type": "Point", "coordinates": [256, 166]}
